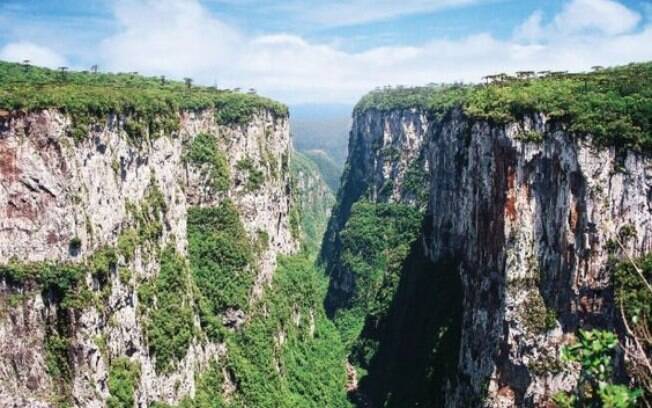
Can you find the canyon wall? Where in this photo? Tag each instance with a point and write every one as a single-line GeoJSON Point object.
{"type": "Point", "coordinates": [511, 259]}
{"type": "Point", "coordinates": [65, 203]}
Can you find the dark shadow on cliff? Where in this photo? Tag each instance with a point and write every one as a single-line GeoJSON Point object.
{"type": "Point", "coordinates": [417, 340]}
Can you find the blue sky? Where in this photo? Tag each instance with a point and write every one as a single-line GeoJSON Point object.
{"type": "Point", "coordinates": [326, 51]}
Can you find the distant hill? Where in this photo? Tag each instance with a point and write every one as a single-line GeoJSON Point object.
{"type": "Point", "coordinates": [330, 171]}
{"type": "Point", "coordinates": [322, 127]}
{"type": "Point", "coordinates": [321, 132]}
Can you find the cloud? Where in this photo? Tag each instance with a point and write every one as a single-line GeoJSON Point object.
{"type": "Point", "coordinates": [38, 55]}
{"type": "Point", "coordinates": [606, 16]}
{"type": "Point", "coordinates": [182, 38]}
{"type": "Point", "coordinates": [581, 17]}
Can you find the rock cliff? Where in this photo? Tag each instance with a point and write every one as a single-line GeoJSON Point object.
{"type": "Point", "coordinates": [63, 201]}
{"type": "Point", "coordinates": [519, 219]}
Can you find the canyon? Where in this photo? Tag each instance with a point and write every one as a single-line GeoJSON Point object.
{"type": "Point", "coordinates": [166, 249]}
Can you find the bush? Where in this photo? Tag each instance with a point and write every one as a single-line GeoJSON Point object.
{"type": "Point", "coordinates": [203, 151]}
{"type": "Point", "coordinates": [123, 381]}
{"type": "Point", "coordinates": [170, 323]}
{"type": "Point", "coordinates": [255, 177]}
{"type": "Point", "coordinates": [220, 254]}
{"type": "Point", "coordinates": [594, 352]}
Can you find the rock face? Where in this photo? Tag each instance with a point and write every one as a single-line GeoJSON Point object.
{"type": "Point", "coordinates": [61, 200]}
{"type": "Point", "coordinates": [525, 226]}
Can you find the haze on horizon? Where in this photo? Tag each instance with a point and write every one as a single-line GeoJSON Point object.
{"type": "Point", "coordinates": [325, 52]}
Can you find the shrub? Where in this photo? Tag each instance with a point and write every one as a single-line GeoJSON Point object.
{"type": "Point", "coordinates": [594, 352]}
{"type": "Point", "coordinates": [220, 256]}
{"type": "Point", "coordinates": [203, 151]}
{"type": "Point", "coordinates": [123, 381]}
{"type": "Point", "coordinates": [255, 177]}
{"type": "Point", "coordinates": [170, 323]}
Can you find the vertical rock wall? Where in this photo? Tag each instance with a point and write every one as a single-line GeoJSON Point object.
{"type": "Point", "coordinates": [54, 191]}
{"type": "Point", "coordinates": [529, 225]}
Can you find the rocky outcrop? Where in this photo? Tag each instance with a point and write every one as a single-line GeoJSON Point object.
{"type": "Point", "coordinates": [526, 224]}
{"type": "Point", "coordinates": [62, 200]}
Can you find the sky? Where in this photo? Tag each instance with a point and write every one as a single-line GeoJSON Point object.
{"type": "Point", "coordinates": [326, 52]}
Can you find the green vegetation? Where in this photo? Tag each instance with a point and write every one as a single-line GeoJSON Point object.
{"type": "Point", "coordinates": [330, 171]}
{"type": "Point", "coordinates": [594, 352]}
{"type": "Point", "coordinates": [313, 201]}
{"type": "Point", "coordinates": [375, 241]}
{"type": "Point", "coordinates": [203, 151]}
{"type": "Point", "coordinates": [536, 316]}
{"type": "Point", "coordinates": [306, 369]}
{"type": "Point", "coordinates": [613, 105]}
{"type": "Point", "coordinates": [150, 107]}
{"type": "Point", "coordinates": [58, 365]}
{"type": "Point", "coordinates": [148, 218]}
{"type": "Point", "coordinates": [220, 254]}
{"type": "Point", "coordinates": [415, 182]}
{"type": "Point", "coordinates": [634, 298]}
{"type": "Point", "coordinates": [168, 303]}
{"type": "Point", "coordinates": [255, 177]}
{"type": "Point", "coordinates": [123, 381]}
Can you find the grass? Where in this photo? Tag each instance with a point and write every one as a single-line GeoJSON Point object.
{"type": "Point", "coordinates": [613, 105]}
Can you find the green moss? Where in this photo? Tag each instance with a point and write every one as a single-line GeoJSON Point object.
{"type": "Point", "coordinates": [148, 216]}
{"type": "Point", "coordinates": [57, 363]}
{"type": "Point", "coordinates": [123, 381]}
{"type": "Point", "coordinates": [531, 136]}
{"type": "Point", "coordinates": [415, 182]}
{"type": "Point", "coordinates": [255, 177]}
{"type": "Point", "coordinates": [203, 151]}
{"type": "Point", "coordinates": [536, 316]}
{"type": "Point", "coordinates": [102, 263]}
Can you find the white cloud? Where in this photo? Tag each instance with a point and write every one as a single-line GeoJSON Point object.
{"type": "Point", "coordinates": [606, 16]}
{"type": "Point", "coordinates": [181, 38]}
{"type": "Point", "coordinates": [38, 55]}
{"type": "Point", "coordinates": [581, 17]}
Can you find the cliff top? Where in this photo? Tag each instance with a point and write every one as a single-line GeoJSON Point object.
{"type": "Point", "coordinates": [614, 105]}
{"type": "Point", "coordinates": [87, 93]}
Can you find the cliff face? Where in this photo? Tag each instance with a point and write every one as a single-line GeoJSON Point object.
{"type": "Point", "coordinates": [511, 259]}
{"type": "Point", "coordinates": [64, 201]}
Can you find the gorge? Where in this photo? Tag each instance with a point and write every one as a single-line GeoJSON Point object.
{"type": "Point", "coordinates": [161, 245]}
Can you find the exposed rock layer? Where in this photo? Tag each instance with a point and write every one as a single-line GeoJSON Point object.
{"type": "Point", "coordinates": [53, 190]}
{"type": "Point", "coordinates": [528, 226]}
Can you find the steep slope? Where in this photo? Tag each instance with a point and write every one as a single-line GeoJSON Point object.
{"type": "Point", "coordinates": [519, 192]}
{"type": "Point", "coordinates": [142, 222]}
